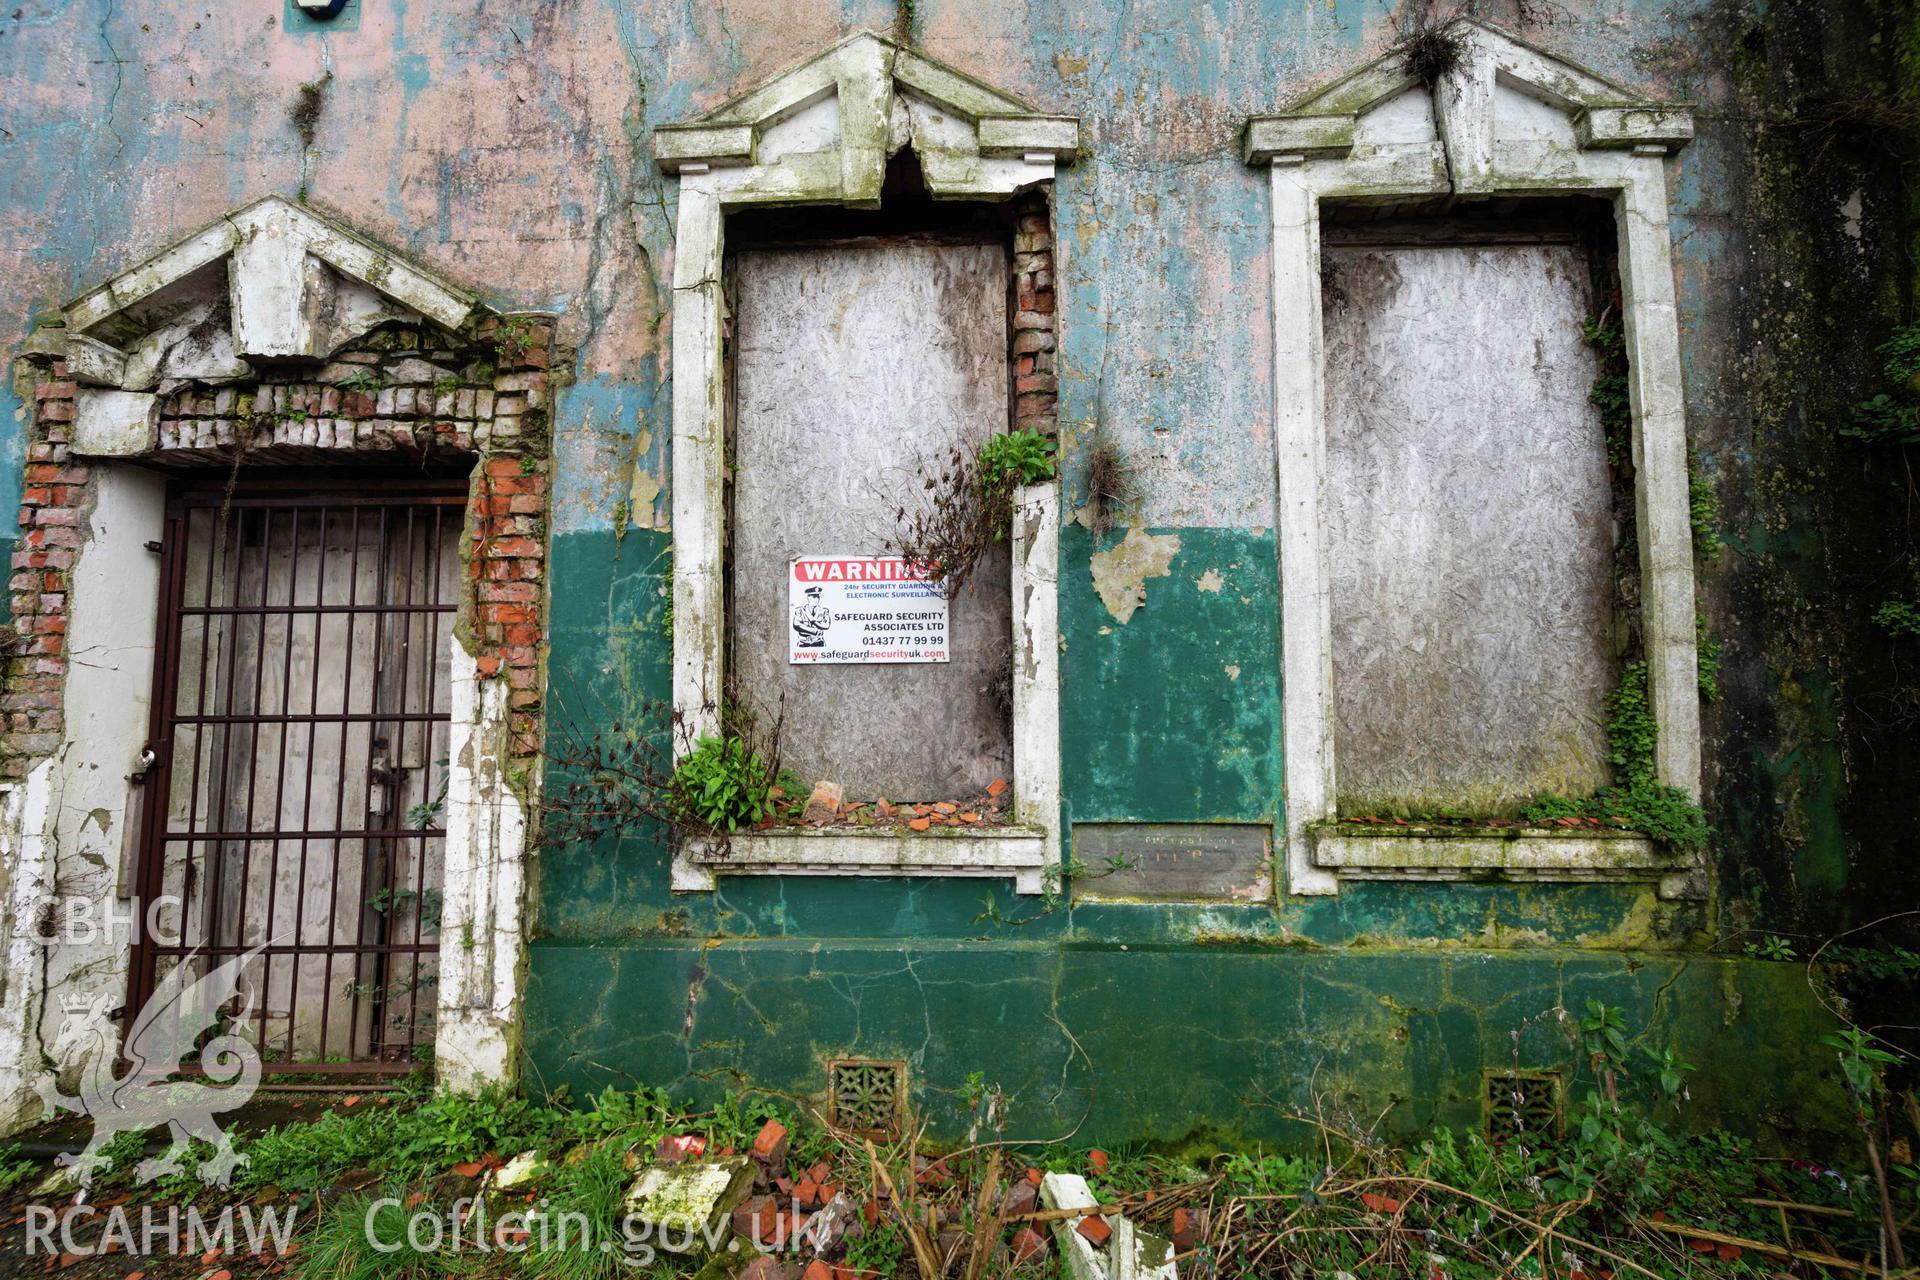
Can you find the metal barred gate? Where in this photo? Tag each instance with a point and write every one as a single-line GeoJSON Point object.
{"type": "Point", "coordinates": [295, 795]}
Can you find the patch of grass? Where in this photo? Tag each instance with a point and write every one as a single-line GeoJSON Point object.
{"type": "Point", "coordinates": [13, 1169]}
{"type": "Point", "coordinates": [412, 1135]}
{"type": "Point", "coordinates": [359, 1240]}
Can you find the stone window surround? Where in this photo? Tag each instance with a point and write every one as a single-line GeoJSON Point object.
{"type": "Point", "coordinates": [762, 149]}
{"type": "Point", "coordinates": [1314, 155]}
{"type": "Point", "coordinates": [98, 422]}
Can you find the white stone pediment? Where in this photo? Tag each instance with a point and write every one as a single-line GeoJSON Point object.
{"type": "Point", "coordinates": [273, 280]}
{"type": "Point", "coordinates": [1504, 92]}
{"type": "Point", "coordinates": [823, 131]}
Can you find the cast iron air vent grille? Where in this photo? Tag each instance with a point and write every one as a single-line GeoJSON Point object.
{"type": "Point", "coordinates": [1522, 1106]}
{"type": "Point", "coordinates": [867, 1096]}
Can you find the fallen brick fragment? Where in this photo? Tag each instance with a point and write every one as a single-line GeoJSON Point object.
{"type": "Point", "coordinates": [1027, 1244]}
{"type": "Point", "coordinates": [1020, 1198]}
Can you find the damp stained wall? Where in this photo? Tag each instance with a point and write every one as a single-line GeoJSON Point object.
{"type": "Point", "coordinates": [507, 147]}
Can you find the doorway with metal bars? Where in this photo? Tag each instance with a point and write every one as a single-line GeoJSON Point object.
{"type": "Point", "coordinates": [295, 800]}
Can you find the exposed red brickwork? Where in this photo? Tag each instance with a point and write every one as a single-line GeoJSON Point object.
{"type": "Point", "coordinates": [507, 522]}
{"type": "Point", "coordinates": [495, 404]}
{"type": "Point", "coordinates": [53, 505]}
{"type": "Point", "coordinates": [1035, 391]}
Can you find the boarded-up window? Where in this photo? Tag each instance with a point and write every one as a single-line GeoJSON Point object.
{"type": "Point", "coordinates": [1471, 539]}
{"type": "Point", "coordinates": [855, 367]}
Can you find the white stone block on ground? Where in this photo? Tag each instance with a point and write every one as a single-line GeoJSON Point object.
{"type": "Point", "coordinates": [1131, 1254]}
{"type": "Point", "coordinates": [687, 1205]}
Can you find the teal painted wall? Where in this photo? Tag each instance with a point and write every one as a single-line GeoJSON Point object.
{"type": "Point", "coordinates": [507, 147]}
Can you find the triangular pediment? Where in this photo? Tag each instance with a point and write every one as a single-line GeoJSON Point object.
{"type": "Point", "coordinates": [271, 281]}
{"type": "Point", "coordinates": [1533, 96]}
{"type": "Point", "coordinates": [861, 100]}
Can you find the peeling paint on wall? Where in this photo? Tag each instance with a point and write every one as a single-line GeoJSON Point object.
{"type": "Point", "coordinates": [1120, 572]}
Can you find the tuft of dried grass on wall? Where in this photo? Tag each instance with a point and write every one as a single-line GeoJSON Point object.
{"type": "Point", "coordinates": [1110, 486]}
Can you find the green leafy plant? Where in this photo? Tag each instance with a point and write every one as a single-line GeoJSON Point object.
{"type": "Point", "coordinates": [362, 380]}
{"type": "Point", "coordinates": [966, 505]}
{"type": "Point", "coordinates": [1863, 1063]}
{"type": "Point", "coordinates": [430, 904]}
{"type": "Point", "coordinates": [1707, 650]}
{"type": "Point", "coordinates": [1883, 420]}
{"type": "Point", "coordinates": [1876, 964]}
{"type": "Point", "coordinates": [878, 1252]}
{"type": "Point", "coordinates": [514, 338]}
{"type": "Point", "coordinates": [1670, 1073]}
{"type": "Point", "coordinates": [425, 814]}
{"type": "Point", "coordinates": [1892, 418]}
{"type": "Point", "coordinates": [1898, 618]}
{"type": "Point", "coordinates": [1609, 393]}
{"type": "Point", "coordinates": [1703, 512]}
{"type": "Point", "coordinates": [723, 785]}
{"type": "Point", "coordinates": [1017, 457]}
{"type": "Point", "coordinates": [1637, 800]}
{"type": "Point", "coordinates": [1900, 355]}
{"type": "Point", "coordinates": [1772, 947]}
{"type": "Point", "coordinates": [13, 1169]}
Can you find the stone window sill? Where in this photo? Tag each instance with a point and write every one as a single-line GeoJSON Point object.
{"type": "Point", "coordinates": [1016, 851]}
{"type": "Point", "coordinates": [1506, 853]}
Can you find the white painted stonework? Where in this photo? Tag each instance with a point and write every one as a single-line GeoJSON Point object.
{"type": "Point", "coordinates": [110, 423]}
{"type": "Point", "coordinates": [27, 870]}
{"type": "Point", "coordinates": [1509, 120]}
{"type": "Point", "coordinates": [821, 134]}
{"type": "Point", "coordinates": [482, 933]}
{"type": "Point", "coordinates": [66, 824]}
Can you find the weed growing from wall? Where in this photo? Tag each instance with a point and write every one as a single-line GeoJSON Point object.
{"type": "Point", "coordinates": [1110, 486]}
{"type": "Point", "coordinates": [1609, 394]}
{"type": "Point", "coordinates": [309, 104]}
{"type": "Point", "coordinates": [620, 774]}
{"type": "Point", "coordinates": [965, 505]}
{"type": "Point", "coordinates": [1897, 618]}
{"type": "Point", "coordinates": [1637, 800]}
{"type": "Point", "coordinates": [1892, 417]}
{"type": "Point", "coordinates": [1708, 650]}
{"type": "Point", "coordinates": [1703, 512]}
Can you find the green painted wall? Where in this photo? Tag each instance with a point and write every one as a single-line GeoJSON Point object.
{"type": "Point", "coordinates": [1155, 1022]}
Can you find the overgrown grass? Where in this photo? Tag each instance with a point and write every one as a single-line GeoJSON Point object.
{"type": "Point", "coordinates": [1619, 1186]}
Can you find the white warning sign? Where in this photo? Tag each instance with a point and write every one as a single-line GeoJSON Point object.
{"type": "Point", "coordinates": [864, 609]}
